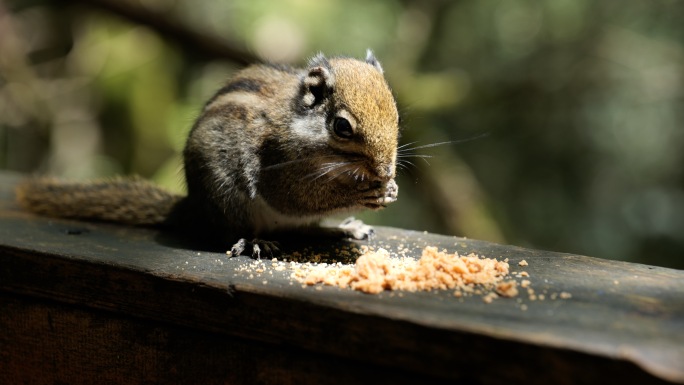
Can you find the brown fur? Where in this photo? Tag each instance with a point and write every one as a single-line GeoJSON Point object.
{"type": "Point", "coordinates": [373, 107]}
{"type": "Point", "coordinates": [263, 156]}
{"type": "Point", "coordinates": [129, 201]}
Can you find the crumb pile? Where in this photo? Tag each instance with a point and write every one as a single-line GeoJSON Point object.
{"type": "Point", "coordinates": [375, 272]}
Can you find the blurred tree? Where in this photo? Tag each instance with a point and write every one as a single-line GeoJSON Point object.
{"type": "Point", "coordinates": [574, 107]}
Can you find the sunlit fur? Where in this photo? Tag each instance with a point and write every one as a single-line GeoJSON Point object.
{"type": "Point", "coordinates": [264, 156]}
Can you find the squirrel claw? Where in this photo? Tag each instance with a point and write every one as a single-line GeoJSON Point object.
{"type": "Point", "coordinates": [356, 229]}
{"type": "Point", "coordinates": [238, 247]}
{"type": "Point", "coordinates": [258, 245]}
{"type": "Point", "coordinates": [269, 247]}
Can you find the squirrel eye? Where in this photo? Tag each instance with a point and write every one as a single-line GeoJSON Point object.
{"type": "Point", "coordinates": [343, 128]}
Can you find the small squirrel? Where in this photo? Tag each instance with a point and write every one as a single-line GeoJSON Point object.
{"type": "Point", "coordinates": [275, 149]}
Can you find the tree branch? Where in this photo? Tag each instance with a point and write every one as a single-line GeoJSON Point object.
{"type": "Point", "coordinates": [192, 43]}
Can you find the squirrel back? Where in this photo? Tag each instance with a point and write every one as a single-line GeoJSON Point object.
{"type": "Point", "coordinates": [131, 201]}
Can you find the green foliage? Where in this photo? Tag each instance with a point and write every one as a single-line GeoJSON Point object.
{"type": "Point", "coordinates": [581, 102]}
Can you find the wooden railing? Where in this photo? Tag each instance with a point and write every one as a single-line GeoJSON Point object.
{"type": "Point", "coordinates": [89, 303]}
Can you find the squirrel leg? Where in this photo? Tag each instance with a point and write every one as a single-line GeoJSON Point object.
{"type": "Point", "coordinates": [356, 229]}
{"type": "Point", "coordinates": [349, 228]}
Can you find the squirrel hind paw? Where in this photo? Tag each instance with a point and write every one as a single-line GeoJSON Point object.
{"type": "Point", "coordinates": [356, 229]}
{"type": "Point", "coordinates": [257, 246]}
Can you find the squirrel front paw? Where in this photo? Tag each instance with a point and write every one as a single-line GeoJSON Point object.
{"type": "Point", "coordinates": [380, 195]}
{"type": "Point", "coordinates": [391, 192]}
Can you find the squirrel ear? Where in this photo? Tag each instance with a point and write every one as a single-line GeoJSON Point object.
{"type": "Point", "coordinates": [318, 82]}
{"type": "Point", "coordinates": [370, 59]}
{"type": "Point", "coordinates": [319, 61]}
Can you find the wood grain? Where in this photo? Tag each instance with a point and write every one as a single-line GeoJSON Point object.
{"type": "Point", "coordinates": [116, 286]}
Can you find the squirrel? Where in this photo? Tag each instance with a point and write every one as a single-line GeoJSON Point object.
{"type": "Point", "coordinates": [275, 149]}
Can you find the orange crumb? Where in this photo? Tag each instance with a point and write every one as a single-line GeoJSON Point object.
{"type": "Point", "coordinates": [507, 288]}
{"type": "Point", "coordinates": [375, 271]}
{"type": "Point", "coordinates": [490, 297]}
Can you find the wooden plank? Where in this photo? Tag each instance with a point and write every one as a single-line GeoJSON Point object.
{"type": "Point", "coordinates": [624, 321]}
{"type": "Point", "coordinates": [54, 344]}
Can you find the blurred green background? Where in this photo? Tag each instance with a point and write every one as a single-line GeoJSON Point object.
{"type": "Point", "coordinates": [581, 103]}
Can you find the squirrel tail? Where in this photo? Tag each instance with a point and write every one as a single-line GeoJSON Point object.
{"type": "Point", "coordinates": [132, 201]}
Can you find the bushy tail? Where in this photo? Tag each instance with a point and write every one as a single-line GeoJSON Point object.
{"type": "Point", "coordinates": [131, 201]}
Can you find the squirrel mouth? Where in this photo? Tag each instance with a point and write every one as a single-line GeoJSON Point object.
{"type": "Point", "coordinates": [377, 203]}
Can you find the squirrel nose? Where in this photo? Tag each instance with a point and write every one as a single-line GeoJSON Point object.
{"type": "Point", "coordinates": [385, 172]}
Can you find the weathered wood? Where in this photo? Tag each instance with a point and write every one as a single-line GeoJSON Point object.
{"type": "Point", "coordinates": [133, 305]}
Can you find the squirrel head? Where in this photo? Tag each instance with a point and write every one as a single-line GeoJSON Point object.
{"type": "Point", "coordinates": [356, 105]}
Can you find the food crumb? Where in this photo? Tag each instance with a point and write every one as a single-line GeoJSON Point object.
{"type": "Point", "coordinates": [522, 263]}
{"type": "Point", "coordinates": [507, 288]}
{"type": "Point", "coordinates": [565, 295]}
{"type": "Point", "coordinates": [375, 272]}
{"type": "Point", "coordinates": [490, 297]}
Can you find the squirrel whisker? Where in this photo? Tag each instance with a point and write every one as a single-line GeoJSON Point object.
{"type": "Point", "coordinates": [420, 156]}
{"type": "Point", "coordinates": [402, 149]}
{"type": "Point", "coordinates": [290, 162]}
{"type": "Point", "coordinates": [402, 164]}
{"type": "Point", "coordinates": [326, 169]}
{"type": "Point", "coordinates": [345, 168]}
{"type": "Point", "coordinates": [399, 148]}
